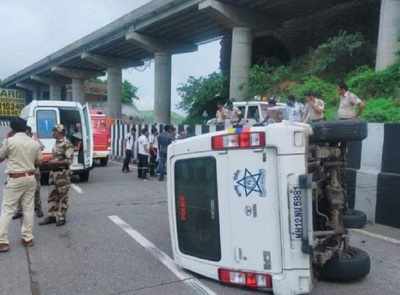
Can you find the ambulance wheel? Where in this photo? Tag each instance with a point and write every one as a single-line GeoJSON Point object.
{"type": "Point", "coordinates": [339, 131]}
{"type": "Point", "coordinates": [44, 178]}
{"type": "Point", "coordinates": [103, 162]}
{"type": "Point", "coordinates": [84, 176]}
{"type": "Point", "coordinates": [352, 264]}
{"type": "Point", "coordinates": [354, 219]}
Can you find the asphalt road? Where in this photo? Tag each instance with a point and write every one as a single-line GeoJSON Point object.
{"type": "Point", "coordinates": [92, 255]}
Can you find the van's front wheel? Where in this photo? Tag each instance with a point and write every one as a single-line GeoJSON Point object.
{"type": "Point", "coordinates": [84, 175]}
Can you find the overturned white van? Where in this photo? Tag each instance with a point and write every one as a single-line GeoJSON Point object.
{"type": "Point", "coordinates": [43, 115]}
{"type": "Point", "coordinates": [264, 207]}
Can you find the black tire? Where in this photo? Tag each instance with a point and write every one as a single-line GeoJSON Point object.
{"type": "Point", "coordinates": [103, 162]}
{"type": "Point", "coordinates": [44, 178]}
{"type": "Point", "coordinates": [84, 176]}
{"type": "Point", "coordinates": [352, 265]}
{"type": "Point", "coordinates": [354, 219]}
{"type": "Point", "coordinates": [339, 131]}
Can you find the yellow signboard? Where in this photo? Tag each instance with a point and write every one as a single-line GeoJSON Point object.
{"type": "Point", "coordinates": [11, 102]}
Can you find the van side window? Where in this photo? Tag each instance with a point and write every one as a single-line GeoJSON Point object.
{"type": "Point", "coordinates": [253, 113]}
{"type": "Point", "coordinates": [45, 120]}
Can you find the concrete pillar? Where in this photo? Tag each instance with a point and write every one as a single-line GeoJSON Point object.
{"type": "Point", "coordinates": [162, 80]}
{"type": "Point", "coordinates": [55, 92]}
{"type": "Point", "coordinates": [78, 93]}
{"type": "Point", "coordinates": [389, 34]}
{"type": "Point", "coordinates": [114, 92]}
{"type": "Point", "coordinates": [36, 94]}
{"type": "Point", "coordinates": [240, 62]}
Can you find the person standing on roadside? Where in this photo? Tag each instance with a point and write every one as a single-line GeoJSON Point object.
{"type": "Point", "coordinates": [314, 109]}
{"type": "Point", "coordinates": [129, 144]}
{"type": "Point", "coordinates": [221, 115]}
{"type": "Point", "coordinates": [63, 152]}
{"type": "Point", "coordinates": [153, 138]}
{"type": "Point", "coordinates": [143, 153]}
{"type": "Point", "coordinates": [38, 202]}
{"type": "Point", "coordinates": [351, 106]}
{"type": "Point", "coordinates": [164, 140]}
{"type": "Point", "coordinates": [23, 154]}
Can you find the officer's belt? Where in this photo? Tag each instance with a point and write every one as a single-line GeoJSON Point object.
{"type": "Point", "coordinates": [20, 174]}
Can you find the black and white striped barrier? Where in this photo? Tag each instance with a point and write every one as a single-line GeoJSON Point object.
{"type": "Point", "coordinates": [373, 179]}
{"type": "Point", "coordinates": [4, 123]}
{"type": "Point", "coordinates": [120, 130]}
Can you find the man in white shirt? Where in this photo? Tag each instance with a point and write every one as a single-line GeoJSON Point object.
{"type": "Point", "coordinates": [294, 109]}
{"type": "Point", "coordinates": [143, 153]}
{"type": "Point", "coordinates": [221, 114]}
{"type": "Point", "coordinates": [351, 106]}
{"type": "Point", "coordinates": [153, 150]}
{"type": "Point", "coordinates": [129, 144]}
{"type": "Point", "coordinates": [314, 109]}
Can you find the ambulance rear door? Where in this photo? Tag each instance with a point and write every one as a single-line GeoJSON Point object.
{"type": "Point", "coordinates": [87, 132]}
{"type": "Point", "coordinates": [251, 183]}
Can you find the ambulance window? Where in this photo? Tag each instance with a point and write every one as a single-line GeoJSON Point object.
{"type": "Point", "coordinates": [253, 113]}
{"type": "Point", "coordinates": [196, 201]}
{"type": "Point", "coordinates": [46, 120]}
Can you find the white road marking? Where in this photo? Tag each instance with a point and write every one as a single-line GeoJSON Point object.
{"type": "Point", "coordinates": [376, 236]}
{"type": "Point", "coordinates": [77, 189]}
{"type": "Point", "coordinates": [186, 278]}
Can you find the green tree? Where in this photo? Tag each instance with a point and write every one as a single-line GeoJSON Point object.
{"type": "Point", "coordinates": [202, 94]}
{"type": "Point", "coordinates": [129, 92]}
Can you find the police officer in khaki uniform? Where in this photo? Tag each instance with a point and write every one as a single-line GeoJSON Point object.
{"type": "Point", "coordinates": [37, 199]}
{"type": "Point", "coordinates": [22, 154]}
{"type": "Point", "coordinates": [63, 152]}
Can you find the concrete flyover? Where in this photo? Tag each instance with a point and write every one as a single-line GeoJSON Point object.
{"type": "Point", "coordinates": [162, 28]}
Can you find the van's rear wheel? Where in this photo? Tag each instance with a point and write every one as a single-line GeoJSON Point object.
{"type": "Point", "coordinates": [104, 161]}
{"type": "Point", "coordinates": [350, 265]}
{"type": "Point", "coordinates": [84, 176]}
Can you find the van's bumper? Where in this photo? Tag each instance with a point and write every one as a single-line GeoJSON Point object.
{"type": "Point", "coordinates": [287, 282]}
{"type": "Point", "coordinates": [100, 154]}
{"type": "Point", "coordinates": [292, 282]}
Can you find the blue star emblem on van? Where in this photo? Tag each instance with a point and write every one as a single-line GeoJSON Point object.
{"type": "Point", "coordinates": [247, 183]}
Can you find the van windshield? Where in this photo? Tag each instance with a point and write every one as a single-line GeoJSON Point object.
{"type": "Point", "coordinates": [46, 120]}
{"type": "Point", "coordinates": [253, 113]}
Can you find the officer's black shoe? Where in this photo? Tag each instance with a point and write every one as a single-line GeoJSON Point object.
{"type": "Point", "coordinates": [18, 215]}
{"type": "Point", "coordinates": [60, 222]}
{"type": "Point", "coordinates": [48, 220]}
{"type": "Point", "coordinates": [39, 213]}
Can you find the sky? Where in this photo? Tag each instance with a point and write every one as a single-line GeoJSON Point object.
{"type": "Point", "coordinates": [32, 30]}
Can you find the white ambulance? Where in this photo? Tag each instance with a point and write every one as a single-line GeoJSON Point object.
{"type": "Point", "coordinates": [43, 115]}
{"type": "Point", "coordinates": [244, 209]}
